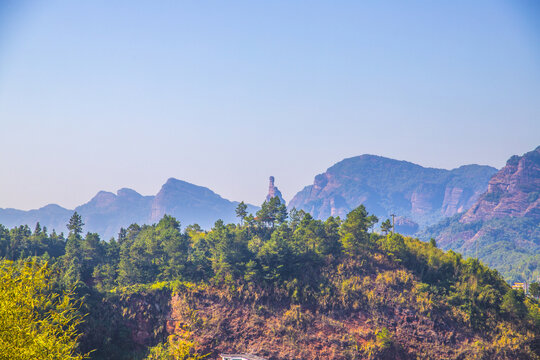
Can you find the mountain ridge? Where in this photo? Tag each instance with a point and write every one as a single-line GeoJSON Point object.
{"type": "Point", "coordinates": [502, 227]}
{"type": "Point", "coordinates": [513, 191]}
{"type": "Point", "coordinates": [106, 212]}
{"type": "Point", "coordinates": [419, 194]}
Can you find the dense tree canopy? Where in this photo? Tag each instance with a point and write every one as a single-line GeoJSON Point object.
{"type": "Point", "coordinates": [288, 258]}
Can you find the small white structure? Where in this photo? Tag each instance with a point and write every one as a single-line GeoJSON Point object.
{"type": "Point", "coordinates": [240, 357]}
{"type": "Point", "coordinates": [521, 286]}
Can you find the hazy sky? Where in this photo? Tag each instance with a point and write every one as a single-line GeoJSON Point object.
{"type": "Point", "coordinates": [100, 95]}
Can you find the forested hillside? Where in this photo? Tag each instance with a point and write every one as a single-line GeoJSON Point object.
{"type": "Point", "coordinates": [280, 285]}
{"type": "Point", "coordinates": [503, 227]}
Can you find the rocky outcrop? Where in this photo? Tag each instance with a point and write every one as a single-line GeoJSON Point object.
{"type": "Point", "coordinates": [273, 191]}
{"type": "Point", "coordinates": [131, 320]}
{"type": "Point", "coordinates": [501, 228]}
{"type": "Point", "coordinates": [451, 202]}
{"type": "Point", "coordinates": [385, 186]}
{"type": "Point", "coordinates": [426, 198]}
{"type": "Point", "coordinates": [513, 191]}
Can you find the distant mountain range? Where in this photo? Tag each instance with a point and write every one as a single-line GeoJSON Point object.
{"type": "Point", "coordinates": [419, 196]}
{"type": "Point", "coordinates": [502, 227]}
{"type": "Point", "coordinates": [475, 210]}
{"type": "Point", "coordinates": [107, 212]}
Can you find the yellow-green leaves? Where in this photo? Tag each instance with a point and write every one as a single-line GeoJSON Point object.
{"type": "Point", "coordinates": [35, 322]}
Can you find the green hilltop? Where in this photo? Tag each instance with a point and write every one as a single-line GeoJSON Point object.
{"type": "Point", "coordinates": [280, 285]}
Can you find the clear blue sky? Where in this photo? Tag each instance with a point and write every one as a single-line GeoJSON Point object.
{"type": "Point", "coordinates": [99, 95]}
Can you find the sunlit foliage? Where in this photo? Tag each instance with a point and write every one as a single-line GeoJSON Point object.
{"type": "Point", "coordinates": [35, 321]}
{"type": "Point", "coordinates": [335, 266]}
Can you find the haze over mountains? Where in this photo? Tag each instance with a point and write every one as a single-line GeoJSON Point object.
{"type": "Point", "coordinates": [513, 191]}
{"type": "Point", "coordinates": [502, 228]}
{"type": "Point", "coordinates": [464, 208]}
{"type": "Point", "coordinates": [417, 195]}
{"type": "Point", "coordinates": [107, 212]}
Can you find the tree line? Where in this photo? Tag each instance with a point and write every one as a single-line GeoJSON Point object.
{"type": "Point", "coordinates": [272, 255]}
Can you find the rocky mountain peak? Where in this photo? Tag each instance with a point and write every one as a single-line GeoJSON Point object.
{"type": "Point", "coordinates": [273, 191]}
{"type": "Point", "coordinates": [513, 191]}
{"type": "Point", "coordinates": [419, 194]}
{"type": "Point", "coordinates": [103, 199]}
{"type": "Point", "coordinates": [128, 193]}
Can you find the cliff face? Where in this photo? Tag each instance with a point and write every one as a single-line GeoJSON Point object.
{"type": "Point", "coordinates": [123, 326]}
{"type": "Point", "coordinates": [453, 201]}
{"type": "Point", "coordinates": [513, 191]}
{"type": "Point", "coordinates": [190, 204]}
{"type": "Point", "coordinates": [501, 228]}
{"type": "Point", "coordinates": [385, 186]}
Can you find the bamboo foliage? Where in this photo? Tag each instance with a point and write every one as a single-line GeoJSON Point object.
{"type": "Point", "coordinates": [35, 322]}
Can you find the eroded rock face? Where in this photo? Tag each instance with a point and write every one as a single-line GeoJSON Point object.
{"type": "Point", "coordinates": [501, 228]}
{"type": "Point", "coordinates": [426, 198]}
{"type": "Point", "coordinates": [513, 191]}
{"type": "Point", "coordinates": [273, 191]}
{"type": "Point", "coordinates": [386, 186]}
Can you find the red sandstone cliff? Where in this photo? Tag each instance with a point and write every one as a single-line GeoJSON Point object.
{"type": "Point", "coordinates": [513, 191]}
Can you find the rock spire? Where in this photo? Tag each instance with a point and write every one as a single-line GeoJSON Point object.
{"type": "Point", "coordinates": [273, 191]}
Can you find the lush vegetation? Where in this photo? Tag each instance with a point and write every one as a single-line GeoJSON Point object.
{"type": "Point", "coordinates": [511, 245]}
{"type": "Point", "coordinates": [309, 271]}
{"type": "Point", "coordinates": [35, 322]}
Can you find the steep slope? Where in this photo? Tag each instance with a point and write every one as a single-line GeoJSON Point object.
{"type": "Point", "coordinates": [273, 191]}
{"type": "Point", "coordinates": [192, 204]}
{"type": "Point", "coordinates": [305, 289]}
{"type": "Point", "coordinates": [417, 302]}
{"type": "Point", "coordinates": [386, 186]}
{"type": "Point", "coordinates": [502, 227]}
{"type": "Point", "coordinates": [513, 191]}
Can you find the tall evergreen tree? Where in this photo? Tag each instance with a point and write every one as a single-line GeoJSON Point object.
{"type": "Point", "coordinates": [241, 211]}
{"type": "Point", "coordinates": [75, 225]}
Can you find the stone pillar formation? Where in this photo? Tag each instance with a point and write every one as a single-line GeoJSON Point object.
{"type": "Point", "coordinates": [273, 191]}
